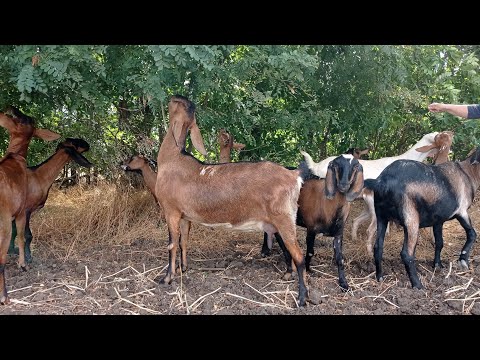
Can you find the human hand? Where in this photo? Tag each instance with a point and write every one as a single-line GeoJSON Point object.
{"type": "Point", "coordinates": [436, 107]}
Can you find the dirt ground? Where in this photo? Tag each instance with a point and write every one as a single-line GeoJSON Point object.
{"type": "Point", "coordinates": [227, 275]}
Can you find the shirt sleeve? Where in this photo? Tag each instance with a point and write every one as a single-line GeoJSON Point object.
{"type": "Point", "coordinates": [473, 111]}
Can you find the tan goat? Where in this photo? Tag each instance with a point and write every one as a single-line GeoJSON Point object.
{"type": "Point", "coordinates": [13, 184]}
{"type": "Point", "coordinates": [225, 139]}
{"type": "Point", "coordinates": [241, 196]}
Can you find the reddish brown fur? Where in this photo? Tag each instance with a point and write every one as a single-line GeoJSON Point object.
{"type": "Point", "coordinates": [13, 186]}
{"type": "Point", "coordinates": [40, 178]}
{"type": "Point", "coordinates": [234, 193]}
{"type": "Point", "coordinates": [226, 145]}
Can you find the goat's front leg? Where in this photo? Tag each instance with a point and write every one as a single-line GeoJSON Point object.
{"type": "Point", "coordinates": [337, 247]}
{"type": "Point", "coordinates": [184, 235]}
{"type": "Point", "coordinates": [471, 237]}
{"type": "Point", "coordinates": [173, 240]}
{"type": "Point", "coordinates": [310, 248]}
{"type": "Point", "coordinates": [437, 233]}
{"type": "Point", "coordinates": [21, 220]}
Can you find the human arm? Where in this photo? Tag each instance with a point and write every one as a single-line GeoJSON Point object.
{"type": "Point", "coordinates": [464, 111]}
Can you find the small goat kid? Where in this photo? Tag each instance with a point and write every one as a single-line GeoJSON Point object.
{"type": "Point", "coordinates": [41, 177]}
{"type": "Point", "coordinates": [242, 196]}
{"type": "Point", "coordinates": [13, 184]}
{"type": "Point", "coordinates": [418, 195]}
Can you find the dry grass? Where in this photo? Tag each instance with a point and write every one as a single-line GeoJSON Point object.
{"type": "Point", "coordinates": [107, 214]}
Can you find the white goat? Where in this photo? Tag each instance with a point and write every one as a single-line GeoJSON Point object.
{"type": "Point", "coordinates": [243, 196]}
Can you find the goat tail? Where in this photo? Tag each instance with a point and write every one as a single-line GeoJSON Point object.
{"type": "Point", "coordinates": [305, 172]}
{"type": "Point", "coordinates": [370, 184]}
{"type": "Point", "coordinates": [308, 159]}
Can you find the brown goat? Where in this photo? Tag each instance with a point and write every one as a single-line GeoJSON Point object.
{"type": "Point", "coordinates": [226, 145]}
{"type": "Point", "coordinates": [141, 164]}
{"type": "Point", "coordinates": [243, 196]}
{"type": "Point", "coordinates": [41, 177]}
{"type": "Point", "coordinates": [13, 184]}
{"type": "Point", "coordinates": [324, 206]}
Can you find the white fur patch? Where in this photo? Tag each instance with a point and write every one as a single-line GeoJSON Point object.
{"type": "Point", "coordinates": [209, 170]}
{"type": "Point", "coordinates": [245, 226]}
{"type": "Point", "coordinates": [348, 157]}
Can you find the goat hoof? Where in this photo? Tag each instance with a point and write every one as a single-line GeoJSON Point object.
{"type": "Point", "coordinates": [302, 298]}
{"type": "Point", "coordinates": [4, 300]}
{"type": "Point", "coordinates": [287, 276]}
{"type": "Point", "coordinates": [463, 264]}
{"type": "Point", "coordinates": [265, 253]}
{"type": "Point", "coordinates": [182, 268]}
{"type": "Point", "coordinates": [418, 286]}
{"type": "Point", "coordinates": [166, 280]}
{"type": "Point", "coordinates": [380, 278]}
{"type": "Point", "coordinates": [24, 268]}
{"type": "Point", "coordinates": [28, 259]}
{"type": "Point", "coordinates": [438, 265]}
{"type": "Point", "coordinates": [343, 286]}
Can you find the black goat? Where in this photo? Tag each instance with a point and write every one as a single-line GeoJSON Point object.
{"type": "Point", "coordinates": [418, 195]}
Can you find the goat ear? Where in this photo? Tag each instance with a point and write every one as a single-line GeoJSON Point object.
{"type": "Point", "coordinates": [475, 159]}
{"type": "Point", "coordinates": [330, 182]}
{"type": "Point", "coordinates": [197, 139]}
{"type": "Point", "coordinates": [6, 122]}
{"type": "Point", "coordinates": [426, 148]}
{"type": "Point", "coordinates": [79, 158]}
{"type": "Point", "coordinates": [238, 146]}
{"type": "Point", "coordinates": [45, 134]}
{"type": "Point", "coordinates": [357, 185]}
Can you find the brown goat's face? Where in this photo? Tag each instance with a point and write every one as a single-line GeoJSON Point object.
{"type": "Point", "coordinates": [182, 118]}
{"type": "Point", "coordinates": [136, 162]}
{"type": "Point", "coordinates": [224, 138]}
{"type": "Point", "coordinates": [444, 140]}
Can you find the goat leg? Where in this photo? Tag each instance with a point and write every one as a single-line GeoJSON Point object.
{"type": "Point", "coordinates": [28, 240]}
{"type": "Point", "coordinates": [11, 248]}
{"type": "Point", "coordinates": [310, 249]}
{"type": "Point", "coordinates": [173, 239]}
{"type": "Point", "coordinates": [20, 220]}
{"type": "Point", "coordinates": [337, 247]}
{"type": "Point", "coordinates": [287, 232]}
{"type": "Point", "coordinates": [437, 233]}
{"type": "Point", "coordinates": [288, 258]}
{"type": "Point", "coordinates": [378, 248]}
{"type": "Point", "coordinates": [408, 254]}
{"type": "Point", "coordinates": [267, 244]}
{"type": "Point", "coordinates": [184, 234]}
{"type": "Point", "coordinates": [471, 237]}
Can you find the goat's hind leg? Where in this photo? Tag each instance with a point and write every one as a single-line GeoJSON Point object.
{"type": "Point", "coordinates": [286, 229]}
{"type": "Point", "coordinates": [408, 252]}
{"type": "Point", "coordinates": [267, 245]}
{"type": "Point", "coordinates": [288, 258]}
{"type": "Point", "coordinates": [471, 237]}
{"type": "Point", "coordinates": [12, 249]}
{"type": "Point", "coordinates": [28, 240]}
{"type": "Point", "coordinates": [378, 248]}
